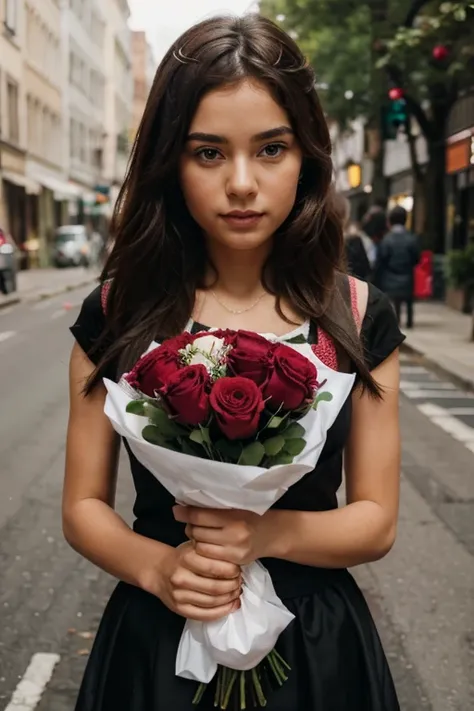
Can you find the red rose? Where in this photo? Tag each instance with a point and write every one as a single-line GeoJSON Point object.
{"type": "Point", "coordinates": [186, 392]}
{"type": "Point", "coordinates": [250, 356]}
{"type": "Point", "coordinates": [226, 334]}
{"type": "Point", "coordinates": [153, 369]}
{"type": "Point", "coordinates": [293, 380]}
{"type": "Point", "coordinates": [237, 403]}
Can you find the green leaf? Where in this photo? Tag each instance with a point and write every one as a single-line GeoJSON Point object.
{"type": "Point", "coordinates": [136, 407]}
{"type": "Point", "coordinates": [229, 450]}
{"type": "Point", "coordinates": [206, 437]}
{"type": "Point", "coordinates": [294, 446]}
{"type": "Point", "coordinates": [153, 435]}
{"type": "Point", "coordinates": [187, 448]}
{"type": "Point", "coordinates": [282, 458]}
{"type": "Point", "coordinates": [167, 426]}
{"type": "Point", "coordinates": [274, 445]}
{"type": "Point", "coordinates": [253, 454]}
{"type": "Point", "coordinates": [294, 431]}
{"type": "Point", "coordinates": [325, 397]}
{"type": "Point", "coordinates": [275, 422]}
{"type": "Point", "coordinates": [296, 339]}
{"type": "Point", "coordinates": [197, 436]}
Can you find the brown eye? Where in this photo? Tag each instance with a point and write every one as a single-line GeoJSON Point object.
{"type": "Point", "coordinates": [207, 154]}
{"type": "Point", "coordinates": [273, 150]}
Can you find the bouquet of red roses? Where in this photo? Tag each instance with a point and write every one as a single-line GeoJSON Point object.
{"type": "Point", "coordinates": [229, 419]}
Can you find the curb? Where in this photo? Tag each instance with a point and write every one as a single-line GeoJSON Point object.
{"type": "Point", "coordinates": [459, 380]}
{"type": "Point", "coordinates": [43, 295]}
{"type": "Point", "coordinates": [9, 301]}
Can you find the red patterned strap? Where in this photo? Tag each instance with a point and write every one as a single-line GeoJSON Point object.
{"type": "Point", "coordinates": [325, 349]}
{"type": "Point", "coordinates": [104, 294]}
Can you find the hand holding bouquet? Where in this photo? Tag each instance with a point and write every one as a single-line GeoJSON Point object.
{"type": "Point", "coordinates": [229, 419]}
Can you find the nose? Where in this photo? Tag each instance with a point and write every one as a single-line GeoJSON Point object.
{"type": "Point", "coordinates": [241, 180]}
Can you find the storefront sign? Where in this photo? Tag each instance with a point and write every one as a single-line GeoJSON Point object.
{"type": "Point", "coordinates": [458, 156]}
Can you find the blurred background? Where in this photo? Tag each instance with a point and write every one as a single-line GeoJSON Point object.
{"type": "Point", "coordinates": [397, 83]}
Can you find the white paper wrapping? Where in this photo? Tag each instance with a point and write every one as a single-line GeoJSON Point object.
{"type": "Point", "coordinates": [241, 640]}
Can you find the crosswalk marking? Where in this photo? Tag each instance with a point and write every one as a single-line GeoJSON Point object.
{"type": "Point", "coordinates": [28, 693]}
{"type": "Point", "coordinates": [420, 394]}
{"type": "Point", "coordinates": [6, 335]}
{"type": "Point", "coordinates": [441, 417]}
{"type": "Point", "coordinates": [429, 385]}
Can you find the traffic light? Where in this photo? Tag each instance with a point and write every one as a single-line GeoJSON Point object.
{"type": "Point", "coordinates": [394, 116]}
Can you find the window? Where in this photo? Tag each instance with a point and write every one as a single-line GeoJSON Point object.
{"type": "Point", "coordinates": [11, 15]}
{"type": "Point", "coordinates": [12, 108]}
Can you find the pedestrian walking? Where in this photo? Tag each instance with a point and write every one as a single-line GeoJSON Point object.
{"type": "Point", "coordinates": [397, 257]}
{"type": "Point", "coordinates": [357, 260]}
{"type": "Point", "coordinates": [225, 221]}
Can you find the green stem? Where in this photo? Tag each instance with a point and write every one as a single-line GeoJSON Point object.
{"type": "Point", "coordinates": [218, 688]}
{"type": "Point", "coordinates": [199, 694]}
{"type": "Point", "coordinates": [258, 688]}
{"type": "Point", "coordinates": [243, 705]}
{"type": "Point", "coordinates": [274, 669]}
{"type": "Point", "coordinates": [231, 682]}
{"type": "Point", "coordinates": [280, 659]}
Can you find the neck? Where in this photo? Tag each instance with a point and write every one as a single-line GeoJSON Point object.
{"type": "Point", "coordinates": [239, 272]}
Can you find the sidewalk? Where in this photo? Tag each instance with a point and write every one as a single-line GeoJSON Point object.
{"type": "Point", "coordinates": [36, 284]}
{"type": "Point", "coordinates": [441, 336]}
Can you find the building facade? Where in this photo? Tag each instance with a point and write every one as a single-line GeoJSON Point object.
{"type": "Point", "coordinates": [143, 67]}
{"type": "Point", "coordinates": [118, 94]}
{"type": "Point", "coordinates": [83, 38]}
{"type": "Point", "coordinates": [14, 184]}
{"type": "Point", "coordinates": [45, 158]}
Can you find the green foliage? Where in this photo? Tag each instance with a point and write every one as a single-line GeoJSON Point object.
{"type": "Point", "coordinates": [461, 267]}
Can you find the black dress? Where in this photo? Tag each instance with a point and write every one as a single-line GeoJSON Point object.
{"type": "Point", "coordinates": [332, 645]}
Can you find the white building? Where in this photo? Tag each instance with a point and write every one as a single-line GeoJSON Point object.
{"type": "Point", "coordinates": [83, 34]}
{"type": "Point", "coordinates": [118, 93]}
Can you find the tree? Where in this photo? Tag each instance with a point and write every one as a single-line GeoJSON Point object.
{"type": "Point", "coordinates": [431, 58]}
{"type": "Point", "coordinates": [423, 47]}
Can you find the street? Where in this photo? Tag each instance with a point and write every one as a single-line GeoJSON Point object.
{"type": "Point", "coordinates": [51, 600]}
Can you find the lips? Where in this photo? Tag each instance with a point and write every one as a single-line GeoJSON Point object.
{"type": "Point", "coordinates": [243, 214]}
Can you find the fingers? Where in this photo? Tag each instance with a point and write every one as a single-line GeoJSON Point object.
{"type": "Point", "coordinates": [197, 599]}
{"type": "Point", "coordinates": [201, 614]}
{"type": "Point", "coordinates": [211, 518]}
{"type": "Point", "coordinates": [205, 567]}
{"type": "Point", "coordinates": [184, 579]}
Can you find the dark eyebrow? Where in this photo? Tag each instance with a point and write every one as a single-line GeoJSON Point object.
{"type": "Point", "coordinates": [265, 135]}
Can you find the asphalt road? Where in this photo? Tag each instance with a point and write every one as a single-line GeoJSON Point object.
{"type": "Point", "coordinates": [51, 600]}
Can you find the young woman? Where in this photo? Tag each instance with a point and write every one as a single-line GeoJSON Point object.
{"type": "Point", "coordinates": [225, 220]}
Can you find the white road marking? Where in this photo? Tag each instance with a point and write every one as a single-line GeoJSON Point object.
{"type": "Point", "coordinates": [58, 313]}
{"type": "Point", "coordinates": [413, 370]}
{"type": "Point", "coordinates": [6, 335]}
{"type": "Point", "coordinates": [441, 417]}
{"type": "Point", "coordinates": [31, 687]}
{"type": "Point", "coordinates": [461, 411]}
{"type": "Point", "coordinates": [433, 385]}
{"type": "Point", "coordinates": [436, 394]}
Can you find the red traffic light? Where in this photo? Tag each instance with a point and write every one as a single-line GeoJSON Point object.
{"type": "Point", "coordinates": [396, 93]}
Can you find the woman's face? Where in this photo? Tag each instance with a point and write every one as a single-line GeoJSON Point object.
{"type": "Point", "coordinates": [240, 166]}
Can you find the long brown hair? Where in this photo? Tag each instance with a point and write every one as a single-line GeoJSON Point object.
{"type": "Point", "coordinates": [159, 257]}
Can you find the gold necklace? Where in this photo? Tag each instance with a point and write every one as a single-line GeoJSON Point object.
{"type": "Point", "coordinates": [236, 312]}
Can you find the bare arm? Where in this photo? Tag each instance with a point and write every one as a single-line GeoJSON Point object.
{"type": "Point", "coordinates": [185, 581]}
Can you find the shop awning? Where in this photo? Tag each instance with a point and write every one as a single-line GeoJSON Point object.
{"type": "Point", "coordinates": [32, 187]}
{"type": "Point", "coordinates": [62, 189]}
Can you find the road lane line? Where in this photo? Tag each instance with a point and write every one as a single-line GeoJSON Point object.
{"type": "Point", "coordinates": [6, 335]}
{"type": "Point", "coordinates": [441, 417]}
{"type": "Point", "coordinates": [30, 689]}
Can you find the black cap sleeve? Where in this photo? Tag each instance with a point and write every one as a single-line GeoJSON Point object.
{"type": "Point", "coordinates": [90, 325]}
{"type": "Point", "coordinates": [380, 331]}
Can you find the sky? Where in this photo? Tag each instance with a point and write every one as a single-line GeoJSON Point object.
{"type": "Point", "coordinates": [165, 20]}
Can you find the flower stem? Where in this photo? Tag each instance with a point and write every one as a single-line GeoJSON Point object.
{"type": "Point", "coordinates": [258, 688]}
{"type": "Point", "coordinates": [243, 705]}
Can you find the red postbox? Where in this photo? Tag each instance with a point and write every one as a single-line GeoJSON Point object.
{"type": "Point", "coordinates": [424, 276]}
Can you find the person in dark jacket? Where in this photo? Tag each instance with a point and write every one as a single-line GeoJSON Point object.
{"type": "Point", "coordinates": [398, 254]}
{"type": "Point", "coordinates": [357, 261]}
